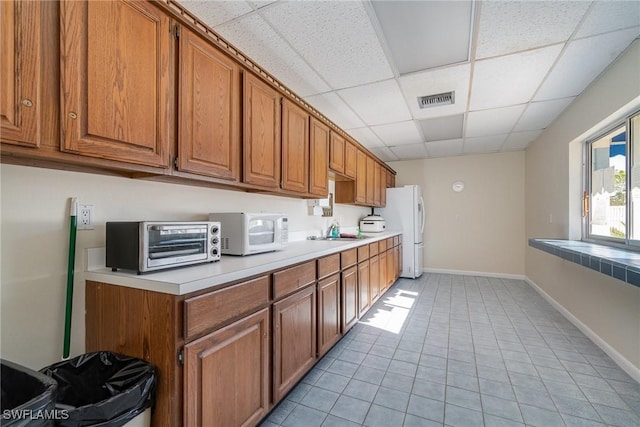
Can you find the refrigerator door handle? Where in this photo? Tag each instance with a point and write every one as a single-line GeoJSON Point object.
{"type": "Point", "coordinates": [421, 208]}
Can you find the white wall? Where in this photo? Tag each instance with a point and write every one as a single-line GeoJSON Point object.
{"type": "Point", "coordinates": [480, 229]}
{"type": "Point", "coordinates": [34, 243]}
{"type": "Point", "coordinates": [607, 308]}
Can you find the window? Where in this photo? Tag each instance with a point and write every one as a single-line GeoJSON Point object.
{"type": "Point", "coordinates": [612, 194]}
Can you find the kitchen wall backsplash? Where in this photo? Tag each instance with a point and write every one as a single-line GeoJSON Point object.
{"type": "Point", "coordinates": [34, 239]}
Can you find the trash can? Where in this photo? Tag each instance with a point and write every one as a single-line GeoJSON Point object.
{"type": "Point", "coordinates": [103, 389]}
{"type": "Point", "coordinates": [28, 397]}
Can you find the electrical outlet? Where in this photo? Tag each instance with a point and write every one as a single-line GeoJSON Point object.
{"type": "Point", "coordinates": [85, 217]}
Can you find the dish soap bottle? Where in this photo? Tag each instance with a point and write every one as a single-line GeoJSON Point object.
{"type": "Point", "coordinates": [335, 229]}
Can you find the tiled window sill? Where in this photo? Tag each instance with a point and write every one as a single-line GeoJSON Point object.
{"type": "Point", "coordinates": [618, 263]}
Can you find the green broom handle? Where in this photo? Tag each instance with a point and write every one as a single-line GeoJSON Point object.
{"type": "Point", "coordinates": [70, 269]}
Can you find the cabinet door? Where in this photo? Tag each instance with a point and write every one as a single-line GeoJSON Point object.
{"type": "Point", "coordinates": [226, 375]}
{"type": "Point", "coordinates": [396, 262]}
{"type": "Point", "coordinates": [349, 298]}
{"type": "Point", "coordinates": [294, 341]}
{"type": "Point", "coordinates": [20, 67]}
{"type": "Point", "coordinates": [350, 160]}
{"type": "Point", "coordinates": [363, 287]}
{"type": "Point", "coordinates": [117, 81]}
{"type": "Point", "coordinates": [371, 173]}
{"type": "Point", "coordinates": [328, 313]}
{"type": "Point", "coordinates": [261, 142]}
{"type": "Point", "coordinates": [208, 110]}
{"type": "Point", "coordinates": [336, 156]}
{"type": "Point", "coordinates": [377, 187]}
{"type": "Point", "coordinates": [391, 267]}
{"type": "Point", "coordinates": [383, 187]}
{"type": "Point", "coordinates": [361, 178]}
{"type": "Point", "coordinates": [383, 272]}
{"type": "Point", "coordinates": [319, 159]}
{"type": "Point", "coordinates": [295, 148]}
{"type": "Point", "coordinates": [374, 278]}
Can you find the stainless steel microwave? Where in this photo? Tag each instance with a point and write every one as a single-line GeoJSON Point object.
{"type": "Point", "coordinates": [150, 246]}
{"type": "Point", "coordinates": [245, 233]}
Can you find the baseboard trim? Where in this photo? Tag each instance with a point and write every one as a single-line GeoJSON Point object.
{"type": "Point", "coordinates": [618, 358]}
{"type": "Point", "coordinates": [475, 273]}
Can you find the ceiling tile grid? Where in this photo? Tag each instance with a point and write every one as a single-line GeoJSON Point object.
{"type": "Point", "coordinates": [514, 65]}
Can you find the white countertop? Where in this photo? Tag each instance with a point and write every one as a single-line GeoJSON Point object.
{"type": "Point", "coordinates": [184, 280]}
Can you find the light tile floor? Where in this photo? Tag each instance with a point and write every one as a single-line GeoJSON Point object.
{"type": "Point", "coordinates": [462, 351]}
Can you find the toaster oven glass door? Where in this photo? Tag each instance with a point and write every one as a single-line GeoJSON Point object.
{"type": "Point", "coordinates": [175, 244]}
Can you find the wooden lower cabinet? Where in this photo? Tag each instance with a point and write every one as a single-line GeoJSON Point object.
{"type": "Point", "coordinates": [294, 339]}
{"type": "Point", "coordinates": [349, 298]}
{"type": "Point", "coordinates": [363, 287]}
{"type": "Point", "coordinates": [391, 267]}
{"type": "Point", "coordinates": [226, 374]}
{"type": "Point", "coordinates": [243, 346]}
{"type": "Point", "coordinates": [383, 272]}
{"type": "Point", "coordinates": [328, 313]}
{"type": "Point", "coordinates": [374, 278]}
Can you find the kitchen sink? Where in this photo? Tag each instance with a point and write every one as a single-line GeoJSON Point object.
{"type": "Point", "coordinates": [337, 239]}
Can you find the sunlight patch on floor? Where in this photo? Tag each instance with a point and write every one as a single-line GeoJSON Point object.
{"type": "Point", "coordinates": [393, 312]}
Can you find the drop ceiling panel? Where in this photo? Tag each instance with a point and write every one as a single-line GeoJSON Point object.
{"type": "Point", "coordinates": [336, 38]}
{"type": "Point", "coordinates": [417, 26]}
{"type": "Point", "coordinates": [520, 140]}
{"type": "Point", "coordinates": [217, 12]}
{"type": "Point", "coordinates": [366, 137]}
{"type": "Point", "coordinates": [492, 122]}
{"type": "Point", "coordinates": [452, 147]}
{"type": "Point", "coordinates": [455, 78]}
{"type": "Point", "coordinates": [410, 151]}
{"type": "Point", "coordinates": [507, 27]}
{"type": "Point", "coordinates": [335, 109]}
{"type": "Point", "coordinates": [377, 103]}
{"type": "Point", "coordinates": [258, 4]}
{"type": "Point", "coordinates": [442, 128]}
{"type": "Point", "coordinates": [539, 115]}
{"type": "Point", "coordinates": [398, 133]}
{"type": "Point", "coordinates": [609, 16]}
{"type": "Point", "coordinates": [484, 144]}
{"type": "Point", "coordinates": [511, 79]}
{"type": "Point", "coordinates": [384, 154]}
{"type": "Point", "coordinates": [253, 36]}
{"type": "Point", "coordinates": [573, 72]}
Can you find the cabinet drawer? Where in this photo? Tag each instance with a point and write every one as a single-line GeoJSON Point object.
{"type": "Point", "coordinates": [328, 265]}
{"type": "Point", "coordinates": [396, 240]}
{"type": "Point", "coordinates": [349, 257]}
{"type": "Point", "coordinates": [287, 281]}
{"type": "Point", "coordinates": [208, 311]}
{"type": "Point", "coordinates": [373, 249]}
{"type": "Point", "coordinates": [382, 245]}
{"type": "Point", "coordinates": [363, 253]}
{"type": "Point", "coordinates": [389, 242]}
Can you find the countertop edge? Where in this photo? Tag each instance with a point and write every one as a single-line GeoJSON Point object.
{"type": "Point", "coordinates": [195, 278]}
{"type": "Point", "coordinates": [618, 263]}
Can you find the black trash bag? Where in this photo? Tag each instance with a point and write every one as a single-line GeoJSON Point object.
{"type": "Point", "coordinates": [102, 388]}
{"type": "Point", "coordinates": [28, 397]}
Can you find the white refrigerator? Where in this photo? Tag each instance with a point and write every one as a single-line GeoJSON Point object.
{"type": "Point", "coordinates": [404, 212]}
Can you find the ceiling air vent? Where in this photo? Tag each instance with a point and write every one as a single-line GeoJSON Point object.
{"type": "Point", "coordinates": [429, 101]}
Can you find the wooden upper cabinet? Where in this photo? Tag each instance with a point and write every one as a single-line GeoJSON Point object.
{"type": "Point", "coordinates": [20, 68]}
{"type": "Point", "coordinates": [295, 148]}
{"type": "Point", "coordinates": [319, 159]}
{"type": "Point", "coordinates": [383, 188]}
{"type": "Point", "coordinates": [117, 80]}
{"type": "Point", "coordinates": [350, 160]}
{"type": "Point", "coordinates": [371, 173]}
{"type": "Point", "coordinates": [361, 178]}
{"type": "Point", "coordinates": [336, 154]}
{"type": "Point", "coordinates": [261, 141]}
{"type": "Point", "coordinates": [377, 184]}
{"type": "Point", "coordinates": [208, 110]}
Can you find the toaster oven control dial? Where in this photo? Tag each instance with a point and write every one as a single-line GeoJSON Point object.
{"type": "Point", "coordinates": [214, 251]}
{"type": "Point", "coordinates": [214, 229]}
{"type": "Point", "coordinates": [214, 241]}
